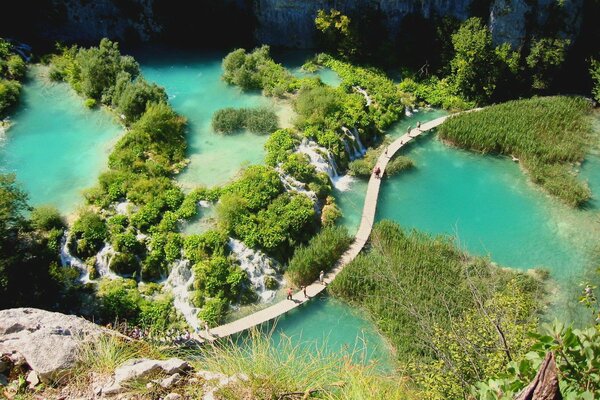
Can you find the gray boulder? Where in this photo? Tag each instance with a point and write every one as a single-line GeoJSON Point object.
{"type": "Point", "coordinates": [47, 341]}
{"type": "Point", "coordinates": [141, 368]}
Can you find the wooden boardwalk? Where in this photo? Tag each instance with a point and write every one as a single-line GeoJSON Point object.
{"type": "Point", "coordinates": [361, 237]}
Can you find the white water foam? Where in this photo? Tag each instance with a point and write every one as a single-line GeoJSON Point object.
{"type": "Point", "coordinates": [180, 280]}
{"type": "Point", "coordinates": [258, 266]}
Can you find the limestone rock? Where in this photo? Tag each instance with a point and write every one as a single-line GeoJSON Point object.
{"type": "Point", "coordinates": [168, 382]}
{"type": "Point", "coordinates": [32, 379]}
{"type": "Point", "coordinates": [47, 341]}
{"type": "Point", "coordinates": [141, 368]}
{"type": "Point", "coordinates": [173, 396]}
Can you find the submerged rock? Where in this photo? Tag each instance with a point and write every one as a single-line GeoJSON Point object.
{"type": "Point", "coordinates": [47, 341]}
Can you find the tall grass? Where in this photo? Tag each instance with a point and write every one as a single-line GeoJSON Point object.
{"type": "Point", "coordinates": [321, 254]}
{"type": "Point", "coordinates": [548, 135]}
{"type": "Point", "coordinates": [290, 368]}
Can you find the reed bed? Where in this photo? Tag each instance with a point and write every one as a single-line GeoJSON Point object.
{"type": "Point", "coordinates": [549, 136]}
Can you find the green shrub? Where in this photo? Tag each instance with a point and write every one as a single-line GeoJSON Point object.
{"type": "Point", "coordinates": [124, 264]}
{"type": "Point", "coordinates": [321, 254]}
{"type": "Point", "coordinates": [131, 98]}
{"type": "Point", "coordinates": [90, 103]}
{"type": "Point", "coordinates": [16, 67]}
{"type": "Point", "coordinates": [47, 218]}
{"type": "Point", "coordinates": [9, 93]}
{"type": "Point", "coordinates": [89, 231]}
{"type": "Point", "coordinates": [279, 145]}
{"type": "Point", "coordinates": [214, 311]}
{"type": "Point", "coordinates": [119, 299]}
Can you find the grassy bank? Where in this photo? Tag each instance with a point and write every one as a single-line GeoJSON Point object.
{"type": "Point", "coordinates": [442, 309]}
{"type": "Point", "coordinates": [548, 135]}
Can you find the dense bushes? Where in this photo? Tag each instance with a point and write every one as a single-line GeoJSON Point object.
{"type": "Point", "coordinates": [259, 121]}
{"type": "Point", "coordinates": [547, 134]}
{"type": "Point", "coordinates": [320, 254]}
{"type": "Point", "coordinates": [12, 70]}
{"type": "Point", "coordinates": [436, 304]}
{"type": "Point", "coordinates": [87, 234]}
{"type": "Point", "coordinates": [257, 70]}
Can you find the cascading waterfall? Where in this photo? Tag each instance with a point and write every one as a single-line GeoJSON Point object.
{"type": "Point", "coordinates": [292, 184]}
{"type": "Point", "coordinates": [323, 161]}
{"type": "Point", "coordinates": [180, 280]}
{"type": "Point", "coordinates": [103, 259]}
{"type": "Point", "coordinates": [69, 260]}
{"type": "Point", "coordinates": [356, 149]}
{"type": "Point", "coordinates": [258, 266]}
{"type": "Point", "coordinates": [364, 93]}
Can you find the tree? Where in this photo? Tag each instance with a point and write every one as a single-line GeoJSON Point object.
{"type": "Point", "coordinates": [474, 66]}
{"type": "Point", "coordinates": [595, 73]}
{"type": "Point", "coordinates": [336, 33]}
{"type": "Point", "coordinates": [545, 58]}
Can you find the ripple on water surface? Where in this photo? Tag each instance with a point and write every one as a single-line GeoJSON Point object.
{"type": "Point", "coordinates": [55, 145]}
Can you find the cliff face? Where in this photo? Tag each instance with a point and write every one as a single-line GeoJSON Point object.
{"type": "Point", "coordinates": [291, 22]}
{"type": "Point", "coordinates": [287, 23]}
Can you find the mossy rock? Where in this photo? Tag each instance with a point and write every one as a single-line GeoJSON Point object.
{"type": "Point", "coordinates": [124, 264]}
{"type": "Point", "coordinates": [271, 283]}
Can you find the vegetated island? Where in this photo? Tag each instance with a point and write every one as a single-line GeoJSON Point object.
{"type": "Point", "coordinates": [548, 135]}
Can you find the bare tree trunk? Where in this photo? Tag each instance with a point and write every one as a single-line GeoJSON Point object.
{"type": "Point", "coordinates": [545, 384]}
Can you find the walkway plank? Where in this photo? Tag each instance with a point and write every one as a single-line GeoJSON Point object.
{"type": "Point", "coordinates": [360, 239]}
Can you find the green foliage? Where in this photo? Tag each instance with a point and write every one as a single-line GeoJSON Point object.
{"type": "Point", "coordinates": [200, 247]}
{"type": "Point", "coordinates": [442, 309]}
{"type": "Point", "coordinates": [576, 352]}
{"type": "Point", "coordinates": [474, 64]}
{"type": "Point", "coordinates": [256, 186]}
{"type": "Point", "coordinates": [46, 218]}
{"type": "Point", "coordinates": [547, 134]}
{"type": "Point", "coordinates": [315, 105]}
{"type": "Point", "coordinates": [336, 33]}
{"type": "Point", "coordinates": [279, 145]}
{"type": "Point", "coordinates": [320, 254]}
{"type": "Point", "coordinates": [546, 55]}
{"type": "Point", "coordinates": [15, 67]}
{"type": "Point", "coordinates": [257, 70]}
{"type": "Point", "coordinates": [124, 264]}
{"type": "Point", "coordinates": [9, 93]}
{"type": "Point", "coordinates": [436, 92]}
{"type": "Point", "coordinates": [595, 74]}
{"type": "Point", "coordinates": [131, 98]}
{"type": "Point", "coordinates": [90, 103]}
{"type": "Point", "coordinates": [258, 121]}
{"type": "Point", "coordinates": [299, 167]}
{"type": "Point", "coordinates": [363, 167]}
{"type": "Point", "coordinates": [214, 311]}
{"type": "Point", "coordinates": [88, 234]}
{"type": "Point", "coordinates": [118, 299]}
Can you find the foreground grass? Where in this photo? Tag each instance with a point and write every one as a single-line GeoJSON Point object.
{"type": "Point", "coordinates": [548, 135]}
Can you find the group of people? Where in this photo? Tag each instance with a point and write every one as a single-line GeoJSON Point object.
{"type": "Point", "coordinates": [290, 291]}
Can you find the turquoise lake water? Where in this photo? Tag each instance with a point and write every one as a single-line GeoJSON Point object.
{"type": "Point", "coordinates": [488, 204]}
{"type": "Point", "coordinates": [57, 148]}
{"type": "Point", "coordinates": [55, 145]}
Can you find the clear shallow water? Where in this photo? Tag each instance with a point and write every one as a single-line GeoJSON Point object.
{"type": "Point", "coordinates": [56, 146]}
{"type": "Point", "coordinates": [489, 205]}
{"type": "Point", "coordinates": [326, 320]}
{"type": "Point", "coordinates": [193, 83]}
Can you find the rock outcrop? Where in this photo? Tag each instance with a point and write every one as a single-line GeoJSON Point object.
{"type": "Point", "coordinates": [47, 341]}
{"type": "Point", "coordinates": [133, 370]}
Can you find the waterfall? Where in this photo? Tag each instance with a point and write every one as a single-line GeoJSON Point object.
{"type": "Point", "coordinates": [69, 260]}
{"type": "Point", "coordinates": [180, 280]}
{"type": "Point", "coordinates": [103, 259]}
{"type": "Point", "coordinates": [407, 111]}
{"type": "Point", "coordinates": [323, 161]}
{"type": "Point", "coordinates": [357, 150]}
{"type": "Point", "coordinates": [258, 266]}
{"type": "Point", "coordinates": [292, 184]}
{"type": "Point", "coordinates": [364, 93]}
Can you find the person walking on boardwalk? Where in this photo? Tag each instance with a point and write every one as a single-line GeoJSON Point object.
{"type": "Point", "coordinates": [289, 293]}
{"type": "Point", "coordinates": [321, 277]}
{"type": "Point", "coordinates": [304, 292]}
{"type": "Point", "coordinates": [419, 125]}
{"type": "Point", "coordinates": [377, 171]}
